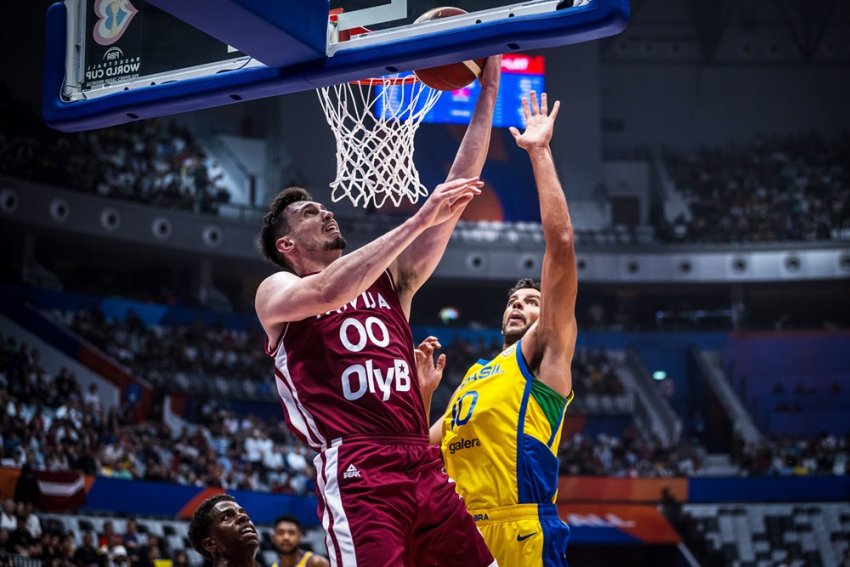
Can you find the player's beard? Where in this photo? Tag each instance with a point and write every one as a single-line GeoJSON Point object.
{"type": "Point", "coordinates": [338, 243]}
{"type": "Point", "coordinates": [512, 336]}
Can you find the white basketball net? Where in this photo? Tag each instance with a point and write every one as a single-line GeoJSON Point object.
{"type": "Point", "coordinates": [374, 153]}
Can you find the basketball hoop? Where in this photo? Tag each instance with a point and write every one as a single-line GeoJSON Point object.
{"type": "Point", "coordinates": [374, 122]}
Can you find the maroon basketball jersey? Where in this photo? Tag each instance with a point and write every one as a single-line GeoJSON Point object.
{"type": "Point", "coordinates": [350, 371]}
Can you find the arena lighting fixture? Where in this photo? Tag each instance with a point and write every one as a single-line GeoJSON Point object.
{"type": "Point", "coordinates": [448, 314]}
{"type": "Point", "coordinates": [659, 375]}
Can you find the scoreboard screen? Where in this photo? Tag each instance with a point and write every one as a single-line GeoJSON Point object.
{"type": "Point", "coordinates": [520, 75]}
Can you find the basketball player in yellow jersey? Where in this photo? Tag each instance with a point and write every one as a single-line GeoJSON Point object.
{"type": "Point", "coordinates": [500, 433]}
{"type": "Point", "coordinates": [286, 537]}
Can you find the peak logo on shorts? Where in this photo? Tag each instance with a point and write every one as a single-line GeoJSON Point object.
{"type": "Point", "coordinates": [351, 472]}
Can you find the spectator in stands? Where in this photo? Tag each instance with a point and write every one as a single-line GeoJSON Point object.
{"type": "Point", "coordinates": [132, 538]}
{"type": "Point", "coordinates": [149, 162]}
{"type": "Point", "coordinates": [8, 516]}
{"type": "Point", "coordinates": [91, 398]}
{"type": "Point", "coordinates": [286, 537]}
{"type": "Point", "coordinates": [153, 549]}
{"type": "Point", "coordinates": [117, 556]}
{"type": "Point", "coordinates": [5, 547]}
{"type": "Point", "coordinates": [87, 555]}
{"type": "Point", "coordinates": [181, 559]}
{"type": "Point", "coordinates": [21, 540]}
{"type": "Point", "coordinates": [108, 538]}
{"type": "Point", "coordinates": [26, 514]}
{"type": "Point", "coordinates": [223, 534]}
{"type": "Point", "coordinates": [796, 188]}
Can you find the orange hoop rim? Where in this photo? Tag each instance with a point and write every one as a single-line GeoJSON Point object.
{"type": "Point", "coordinates": [386, 81]}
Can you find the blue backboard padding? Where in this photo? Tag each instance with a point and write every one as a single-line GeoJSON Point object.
{"type": "Point", "coordinates": [599, 19]}
{"type": "Point", "coordinates": [278, 34]}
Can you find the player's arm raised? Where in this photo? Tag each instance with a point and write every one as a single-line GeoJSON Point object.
{"type": "Point", "coordinates": [285, 297]}
{"type": "Point", "coordinates": [416, 264]}
{"type": "Point", "coordinates": [549, 344]}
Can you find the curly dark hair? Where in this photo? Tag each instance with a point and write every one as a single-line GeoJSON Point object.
{"type": "Point", "coordinates": [199, 527]}
{"type": "Point", "coordinates": [275, 224]}
{"type": "Point", "coordinates": [290, 520]}
{"type": "Point", "coordinates": [523, 284]}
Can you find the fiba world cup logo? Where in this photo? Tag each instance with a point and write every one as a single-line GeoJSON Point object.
{"type": "Point", "coordinates": [114, 16]}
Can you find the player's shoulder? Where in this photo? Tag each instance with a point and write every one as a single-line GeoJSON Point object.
{"type": "Point", "coordinates": [317, 561]}
{"type": "Point", "coordinates": [278, 280]}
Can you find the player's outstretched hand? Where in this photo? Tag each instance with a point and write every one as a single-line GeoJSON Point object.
{"type": "Point", "coordinates": [429, 373]}
{"type": "Point", "coordinates": [492, 72]}
{"type": "Point", "coordinates": [448, 198]}
{"type": "Point", "coordinates": [539, 122]}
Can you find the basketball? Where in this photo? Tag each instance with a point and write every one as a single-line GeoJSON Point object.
{"type": "Point", "coordinates": [454, 75]}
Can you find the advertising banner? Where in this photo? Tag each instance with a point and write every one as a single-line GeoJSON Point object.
{"type": "Point", "coordinates": [592, 524]}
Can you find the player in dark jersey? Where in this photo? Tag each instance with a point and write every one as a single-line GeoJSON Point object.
{"type": "Point", "coordinates": [337, 327]}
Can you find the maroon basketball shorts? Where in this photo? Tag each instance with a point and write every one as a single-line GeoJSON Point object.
{"type": "Point", "coordinates": [385, 501]}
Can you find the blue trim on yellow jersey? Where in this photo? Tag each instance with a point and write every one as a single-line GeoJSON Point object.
{"type": "Point", "coordinates": [523, 367]}
{"type": "Point", "coordinates": [522, 495]}
{"type": "Point", "coordinates": [483, 362]}
{"type": "Point", "coordinates": [557, 428]}
{"type": "Point", "coordinates": [556, 536]}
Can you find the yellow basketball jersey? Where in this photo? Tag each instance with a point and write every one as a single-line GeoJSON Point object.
{"type": "Point", "coordinates": [301, 562]}
{"type": "Point", "coordinates": [501, 435]}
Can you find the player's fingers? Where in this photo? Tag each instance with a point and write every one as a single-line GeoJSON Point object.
{"type": "Point", "coordinates": [460, 202]}
{"type": "Point", "coordinates": [475, 188]}
{"type": "Point", "coordinates": [555, 108]}
{"type": "Point", "coordinates": [535, 108]}
{"type": "Point", "coordinates": [544, 104]}
{"type": "Point", "coordinates": [457, 184]}
{"type": "Point", "coordinates": [525, 111]}
{"type": "Point", "coordinates": [441, 362]}
{"type": "Point", "coordinates": [514, 132]}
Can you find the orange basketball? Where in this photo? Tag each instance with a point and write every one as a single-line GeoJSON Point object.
{"type": "Point", "coordinates": [454, 75]}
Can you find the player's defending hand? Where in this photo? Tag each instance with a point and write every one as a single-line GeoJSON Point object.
{"type": "Point", "coordinates": [447, 199]}
{"type": "Point", "coordinates": [429, 373]}
{"type": "Point", "coordinates": [539, 122]}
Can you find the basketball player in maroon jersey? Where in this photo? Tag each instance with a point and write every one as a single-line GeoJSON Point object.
{"type": "Point", "coordinates": [338, 331]}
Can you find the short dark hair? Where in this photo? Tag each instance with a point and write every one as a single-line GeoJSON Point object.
{"type": "Point", "coordinates": [275, 224]}
{"type": "Point", "coordinates": [523, 284]}
{"type": "Point", "coordinates": [289, 519]}
{"type": "Point", "coordinates": [199, 527]}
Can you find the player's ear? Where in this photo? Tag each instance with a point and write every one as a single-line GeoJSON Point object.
{"type": "Point", "coordinates": [209, 545]}
{"type": "Point", "coordinates": [284, 244]}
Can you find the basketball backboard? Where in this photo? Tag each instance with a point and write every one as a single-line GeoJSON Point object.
{"type": "Point", "coordinates": [114, 61]}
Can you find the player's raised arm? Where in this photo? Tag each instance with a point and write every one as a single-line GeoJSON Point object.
{"type": "Point", "coordinates": [325, 281]}
{"type": "Point", "coordinates": [416, 264]}
{"type": "Point", "coordinates": [549, 344]}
